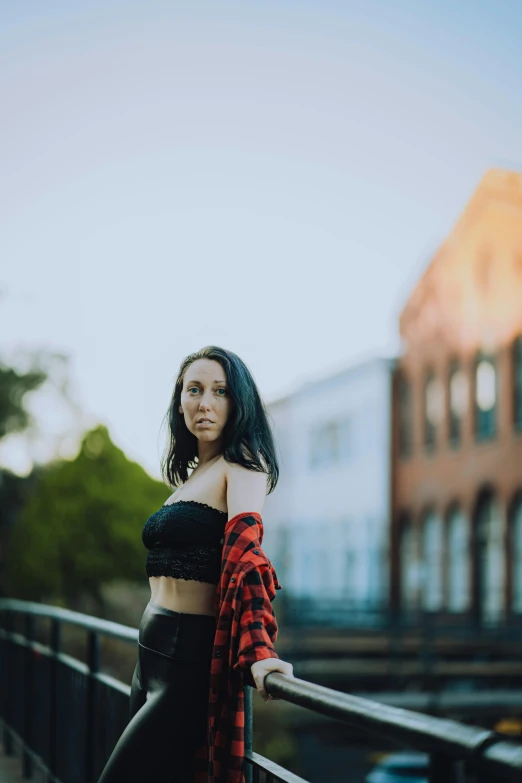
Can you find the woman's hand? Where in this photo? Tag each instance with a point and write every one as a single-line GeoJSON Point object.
{"type": "Point", "coordinates": [261, 668]}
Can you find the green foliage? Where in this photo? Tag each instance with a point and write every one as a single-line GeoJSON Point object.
{"type": "Point", "coordinates": [14, 386]}
{"type": "Point", "coordinates": [82, 525]}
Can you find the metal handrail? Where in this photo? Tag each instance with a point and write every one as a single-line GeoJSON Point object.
{"type": "Point", "coordinates": [447, 742]}
{"type": "Point", "coordinates": [105, 627]}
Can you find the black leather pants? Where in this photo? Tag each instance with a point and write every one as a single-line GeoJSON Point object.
{"type": "Point", "coordinates": [169, 699]}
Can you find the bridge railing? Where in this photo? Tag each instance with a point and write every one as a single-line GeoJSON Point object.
{"type": "Point", "coordinates": [67, 715]}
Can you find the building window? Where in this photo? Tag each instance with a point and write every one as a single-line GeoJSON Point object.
{"type": "Point", "coordinates": [344, 440]}
{"type": "Point", "coordinates": [433, 552]}
{"type": "Point", "coordinates": [331, 442]}
{"type": "Point", "coordinates": [458, 561]}
{"type": "Point", "coordinates": [516, 548]}
{"type": "Point", "coordinates": [517, 383]}
{"type": "Point", "coordinates": [433, 409]}
{"type": "Point", "coordinates": [485, 397]}
{"type": "Point", "coordinates": [405, 416]}
{"type": "Point", "coordinates": [323, 446]}
{"type": "Point", "coordinates": [458, 402]}
{"type": "Point", "coordinates": [409, 566]}
{"type": "Point", "coordinates": [490, 560]}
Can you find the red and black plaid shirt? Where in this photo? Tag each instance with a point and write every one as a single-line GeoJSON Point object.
{"type": "Point", "coordinates": [246, 632]}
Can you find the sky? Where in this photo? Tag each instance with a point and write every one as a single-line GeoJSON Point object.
{"type": "Point", "coordinates": [269, 177]}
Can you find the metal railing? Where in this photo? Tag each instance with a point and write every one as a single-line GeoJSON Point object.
{"type": "Point", "coordinates": [67, 715]}
{"type": "Point", "coordinates": [454, 748]}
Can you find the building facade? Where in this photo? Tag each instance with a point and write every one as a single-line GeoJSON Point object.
{"type": "Point", "coordinates": [327, 521]}
{"type": "Point", "coordinates": [456, 536]}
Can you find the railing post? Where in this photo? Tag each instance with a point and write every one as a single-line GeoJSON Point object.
{"type": "Point", "coordinates": [93, 662]}
{"type": "Point", "coordinates": [27, 761]}
{"type": "Point", "coordinates": [7, 711]}
{"type": "Point", "coordinates": [444, 769]}
{"type": "Point", "coordinates": [56, 644]}
{"type": "Point", "coordinates": [249, 728]}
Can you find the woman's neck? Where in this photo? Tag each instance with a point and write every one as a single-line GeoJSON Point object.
{"type": "Point", "coordinates": [207, 455]}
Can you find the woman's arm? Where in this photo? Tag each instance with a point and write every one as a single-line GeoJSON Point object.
{"type": "Point", "coordinates": [246, 489]}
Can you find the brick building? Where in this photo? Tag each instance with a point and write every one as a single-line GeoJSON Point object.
{"type": "Point", "coordinates": [457, 470]}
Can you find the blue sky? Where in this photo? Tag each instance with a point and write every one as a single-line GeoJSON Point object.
{"type": "Point", "coordinates": [269, 177]}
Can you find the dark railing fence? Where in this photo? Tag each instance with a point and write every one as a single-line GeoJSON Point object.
{"type": "Point", "coordinates": [67, 716]}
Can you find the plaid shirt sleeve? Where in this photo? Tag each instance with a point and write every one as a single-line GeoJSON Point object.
{"type": "Point", "coordinates": [258, 625]}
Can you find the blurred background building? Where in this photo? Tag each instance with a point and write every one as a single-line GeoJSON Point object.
{"type": "Point", "coordinates": [328, 518]}
{"type": "Point", "coordinates": [457, 497]}
{"type": "Point", "coordinates": [401, 480]}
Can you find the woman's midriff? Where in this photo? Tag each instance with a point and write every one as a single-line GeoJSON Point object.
{"type": "Point", "coordinates": [183, 595]}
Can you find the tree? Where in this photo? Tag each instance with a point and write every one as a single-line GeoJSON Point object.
{"type": "Point", "coordinates": [14, 385]}
{"type": "Point", "coordinates": [82, 525]}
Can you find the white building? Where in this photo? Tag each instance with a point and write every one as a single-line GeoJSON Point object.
{"type": "Point", "coordinates": [327, 522]}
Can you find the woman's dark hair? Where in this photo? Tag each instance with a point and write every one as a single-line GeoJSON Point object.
{"type": "Point", "coordinates": [246, 438]}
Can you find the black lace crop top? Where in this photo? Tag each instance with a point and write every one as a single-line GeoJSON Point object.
{"type": "Point", "coordinates": [184, 540]}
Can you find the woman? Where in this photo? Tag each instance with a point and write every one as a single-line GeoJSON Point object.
{"type": "Point", "coordinates": [209, 627]}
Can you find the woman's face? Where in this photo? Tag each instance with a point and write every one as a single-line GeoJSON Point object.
{"type": "Point", "coordinates": [205, 396]}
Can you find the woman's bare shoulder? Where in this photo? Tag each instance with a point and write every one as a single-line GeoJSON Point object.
{"type": "Point", "coordinates": [246, 489]}
{"type": "Point", "coordinates": [235, 471]}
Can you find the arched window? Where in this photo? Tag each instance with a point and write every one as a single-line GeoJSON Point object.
{"type": "Point", "coordinates": [458, 401]}
{"type": "Point", "coordinates": [517, 383]}
{"type": "Point", "coordinates": [409, 570]}
{"type": "Point", "coordinates": [433, 543]}
{"type": "Point", "coordinates": [516, 562]}
{"type": "Point", "coordinates": [405, 415]}
{"type": "Point", "coordinates": [485, 397]}
{"type": "Point", "coordinates": [458, 561]}
{"type": "Point", "coordinates": [433, 408]}
{"type": "Point", "coordinates": [490, 559]}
